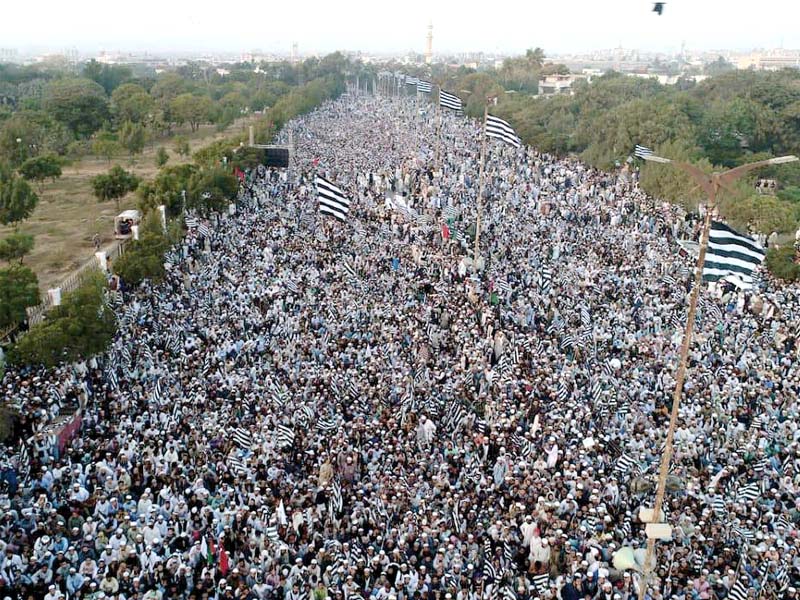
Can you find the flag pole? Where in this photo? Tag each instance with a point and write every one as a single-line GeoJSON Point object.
{"type": "Point", "coordinates": [477, 251]}
{"type": "Point", "coordinates": [712, 185]}
{"type": "Point", "coordinates": [680, 377]}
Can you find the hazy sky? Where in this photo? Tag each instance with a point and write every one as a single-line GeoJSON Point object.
{"type": "Point", "coordinates": [558, 26]}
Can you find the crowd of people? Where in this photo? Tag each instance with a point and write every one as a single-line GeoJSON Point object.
{"type": "Point", "coordinates": [309, 409]}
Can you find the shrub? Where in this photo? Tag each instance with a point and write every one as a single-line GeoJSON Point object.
{"type": "Point", "coordinates": [781, 265]}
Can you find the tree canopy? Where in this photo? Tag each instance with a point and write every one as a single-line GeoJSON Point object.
{"type": "Point", "coordinates": [81, 326]}
{"type": "Point", "coordinates": [17, 199]}
{"type": "Point", "coordinates": [19, 289]}
{"type": "Point", "coordinates": [80, 104]}
{"type": "Point", "coordinates": [114, 185]}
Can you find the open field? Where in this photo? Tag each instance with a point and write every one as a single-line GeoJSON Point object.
{"type": "Point", "coordinates": [68, 215]}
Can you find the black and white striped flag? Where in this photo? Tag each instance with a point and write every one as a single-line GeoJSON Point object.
{"type": "Point", "coordinates": [332, 200]}
{"type": "Point", "coordinates": [424, 87]}
{"type": "Point", "coordinates": [545, 277]}
{"type": "Point", "coordinates": [749, 492]}
{"type": "Point", "coordinates": [625, 464]}
{"type": "Point", "coordinates": [731, 256]}
{"type": "Point", "coordinates": [242, 438]}
{"type": "Point", "coordinates": [285, 436]}
{"type": "Point", "coordinates": [237, 466]}
{"type": "Point", "coordinates": [272, 534]}
{"type": "Point", "coordinates": [448, 100]}
{"type": "Point", "coordinates": [499, 129]}
{"type": "Point", "coordinates": [642, 151]}
{"type": "Point", "coordinates": [541, 583]}
{"type": "Point", "coordinates": [739, 590]}
{"type": "Point", "coordinates": [336, 502]}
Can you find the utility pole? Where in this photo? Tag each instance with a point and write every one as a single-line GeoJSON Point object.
{"type": "Point", "coordinates": [713, 185]}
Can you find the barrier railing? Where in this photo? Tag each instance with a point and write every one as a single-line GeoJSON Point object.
{"type": "Point", "coordinates": [73, 280]}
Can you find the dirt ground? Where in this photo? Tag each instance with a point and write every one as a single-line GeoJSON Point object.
{"type": "Point", "coordinates": [68, 215]}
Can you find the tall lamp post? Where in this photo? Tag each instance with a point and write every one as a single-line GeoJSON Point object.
{"type": "Point", "coordinates": [712, 185]}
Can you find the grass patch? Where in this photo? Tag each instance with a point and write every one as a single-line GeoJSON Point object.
{"type": "Point", "coordinates": [68, 215]}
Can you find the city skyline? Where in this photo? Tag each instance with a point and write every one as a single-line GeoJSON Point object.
{"type": "Point", "coordinates": [357, 26]}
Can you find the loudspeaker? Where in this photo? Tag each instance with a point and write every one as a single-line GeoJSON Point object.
{"type": "Point", "coordinates": [276, 157]}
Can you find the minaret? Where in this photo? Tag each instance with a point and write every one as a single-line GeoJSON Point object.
{"type": "Point", "coordinates": [429, 45]}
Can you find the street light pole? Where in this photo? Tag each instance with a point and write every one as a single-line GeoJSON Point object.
{"type": "Point", "coordinates": [713, 185]}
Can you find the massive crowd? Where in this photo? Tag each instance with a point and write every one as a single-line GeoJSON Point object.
{"type": "Point", "coordinates": [309, 409]}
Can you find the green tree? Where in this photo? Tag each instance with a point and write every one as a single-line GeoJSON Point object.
{"type": "Point", "coordinates": [19, 289]}
{"type": "Point", "coordinates": [80, 327]}
{"type": "Point", "coordinates": [162, 157]}
{"type": "Point", "coordinates": [780, 263]}
{"type": "Point", "coordinates": [17, 199]}
{"type": "Point", "coordinates": [166, 188]}
{"type": "Point", "coordinates": [29, 133]}
{"type": "Point", "coordinates": [40, 168]}
{"type": "Point", "coordinates": [169, 86]}
{"type": "Point", "coordinates": [132, 137]}
{"type": "Point", "coordinates": [721, 65]}
{"type": "Point", "coordinates": [16, 246]}
{"type": "Point", "coordinates": [114, 185]}
{"type": "Point", "coordinates": [144, 259]}
{"type": "Point", "coordinates": [108, 76]}
{"type": "Point", "coordinates": [211, 189]}
{"type": "Point", "coordinates": [182, 146]}
{"type": "Point", "coordinates": [192, 109]}
{"type": "Point", "coordinates": [80, 104]}
{"type": "Point", "coordinates": [131, 102]}
{"type": "Point", "coordinates": [106, 145]}
{"type": "Point", "coordinates": [760, 213]}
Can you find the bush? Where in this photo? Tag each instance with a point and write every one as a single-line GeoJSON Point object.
{"type": "Point", "coordinates": [780, 263]}
{"type": "Point", "coordinates": [80, 327]}
{"type": "Point", "coordinates": [166, 189]}
{"type": "Point", "coordinates": [211, 190]}
{"type": "Point", "coordinates": [144, 259]}
{"type": "Point", "coordinates": [19, 289]}
{"type": "Point", "coordinates": [16, 246]}
{"type": "Point", "coordinates": [162, 156]}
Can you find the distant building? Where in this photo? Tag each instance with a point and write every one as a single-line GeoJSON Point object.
{"type": "Point", "coordinates": [668, 79]}
{"type": "Point", "coordinates": [769, 60]}
{"type": "Point", "coordinates": [553, 85]}
{"type": "Point", "coordinates": [429, 45]}
{"type": "Point", "coordinates": [8, 55]}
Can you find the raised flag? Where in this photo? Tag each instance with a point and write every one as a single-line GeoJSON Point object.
{"type": "Point", "coordinates": [731, 256]}
{"type": "Point", "coordinates": [424, 87]}
{"type": "Point", "coordinates": [448, 100]}
{"type": "Point", "coordinates": [499, 129]}
{"type": "Point", "coordinates": [332, 200]}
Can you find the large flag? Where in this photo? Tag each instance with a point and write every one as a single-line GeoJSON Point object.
{"type": "Point", "coordinates": [642, 151]}
{"type": "Point", "coordinates": [731, 256]}
{"type": "Point", "coordinates": [500, 129]}
{"type": "Point", "coordinates": [332, 200]}
{"type": "Point", "coordinates": [448, 100]}
{"type": "Point", "coordinates": [424, 86]}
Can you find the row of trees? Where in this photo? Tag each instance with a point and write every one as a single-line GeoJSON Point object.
{"type": "Point", "coordinates": [107, 110]}
{"type": "Point", "coordinates": [730, 119]}
{"type": "Point", "coordinates": [205, 185]}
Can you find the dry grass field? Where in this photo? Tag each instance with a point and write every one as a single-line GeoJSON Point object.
{"type": "Point", "coordinates": [68, 215]}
